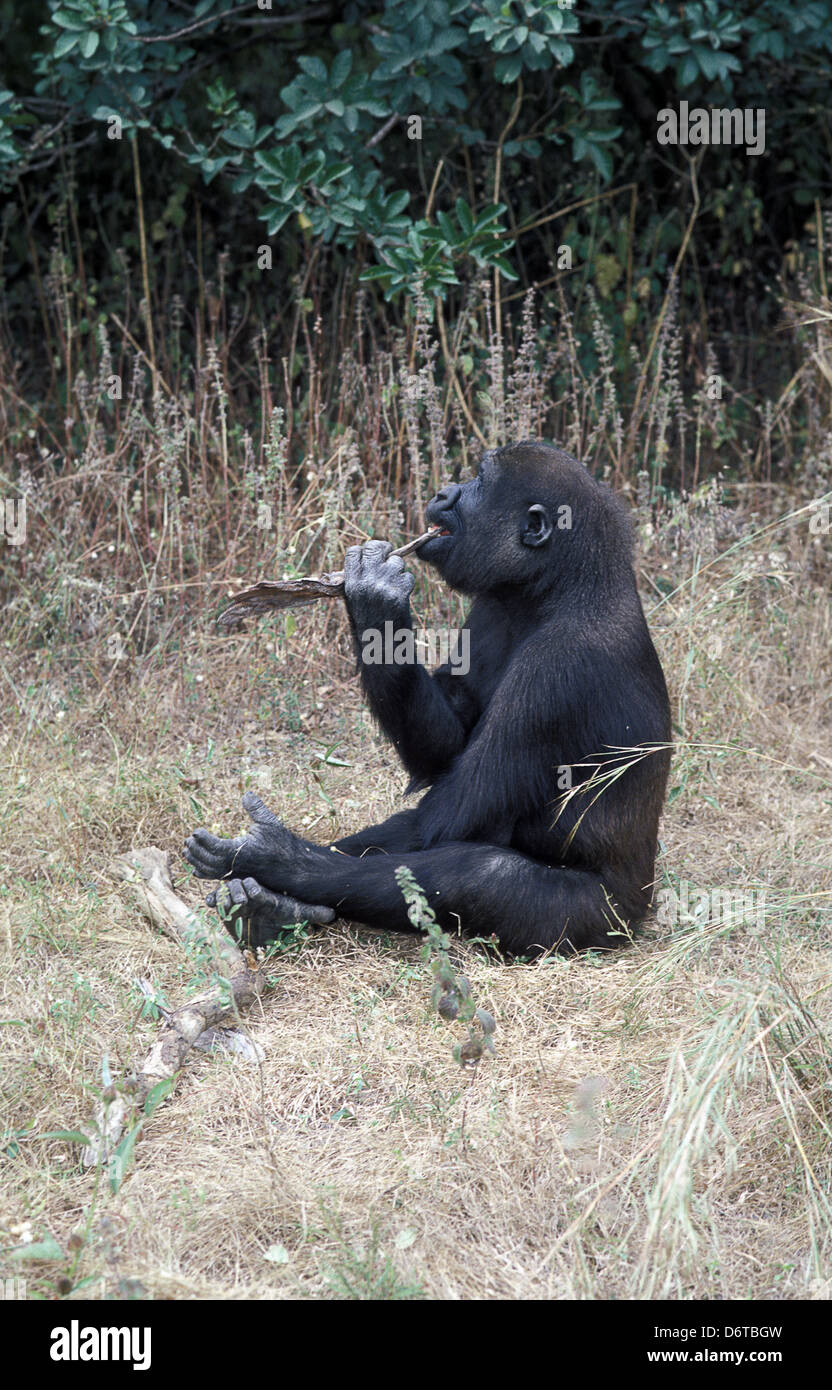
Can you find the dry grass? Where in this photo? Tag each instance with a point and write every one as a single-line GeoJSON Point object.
{"type": "Point", "coordinates": [653, 1124]}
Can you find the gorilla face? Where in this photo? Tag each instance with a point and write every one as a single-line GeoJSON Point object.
{"type": "Point", "coordinates": [520, 522]}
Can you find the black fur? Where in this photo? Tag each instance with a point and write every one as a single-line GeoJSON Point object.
{"type": "Point", "coordinates": [563, 676]}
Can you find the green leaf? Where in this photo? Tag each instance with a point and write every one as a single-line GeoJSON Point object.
{"type": "Point", "coordinates": [375, 272]}
{"type": "Point", "coordinates": [447, 227]}
{"type": "Point", "coordinates": [509, 69]}
{"type": "Point", "coordinates": [602, 160]}
{"type": "Point", "coordinates": [333, 173]}
{"type": "Point", "coordinates": [123, 1156]}
{"type": "Point", "coordinates": [269, 161]}
{"type": "Point", "coordinates": [505, 268]}
{"type": "Point", "coordinates": [65, 44]}
{"type": "Point", "coordinates": [68, 21]}
{"type": "Point", "coordinates": [89, 43]}
{"type": "Point", "coordinates": [340, 69]}
{"type": "Point", "coordinates": [463, 213]}
{"type": "Point", "coordinates": [69, 1136]}
{"type": "Point", "coordinates": [277, 219]}
{"type": "Point", "coordinates": [158, 1093]}
{"type": "Point", "coordinates": [688, 70]}
{"type": "Point", "coordinates": [489, 215]}
{"type": "Point", "coordinates": [239, 137]}
{"type": "Point", "coordinates": [313, 67]}
{"type": "Point", "coordinates": [396, 203]}
{"type": "Point", "coordinates": [46, 1249]}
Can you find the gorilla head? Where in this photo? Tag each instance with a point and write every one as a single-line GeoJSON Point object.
{"type": "Point", "coordinates": [533, 519]}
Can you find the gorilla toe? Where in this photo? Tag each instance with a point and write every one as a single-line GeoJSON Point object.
{"type": "Point", "coordinates": [255, 916]}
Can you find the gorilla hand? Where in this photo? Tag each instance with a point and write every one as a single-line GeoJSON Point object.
{"type": "Point", "coordinates": [376, 585]}
{"type": "Point", "coordinates": [255, 916]}
{"type": "Point", "coordinates": [269, 853]}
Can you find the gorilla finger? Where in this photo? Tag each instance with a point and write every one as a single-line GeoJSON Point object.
{"type": "Point", "coordinates": [205, 865]}
{"type": "Point", "coordinates": [203, 870]}
{"type": "Point", "coordinates": [205, 841]}
{"type": "Point", "coordinates": [352, 561]}
{"type": "Point", "coordinates": [234, 893]}
{"type": "Point", "coordinates": [193, 849]}
{"type": "Point", "coordinates": [376, 551]}
{"type": "Point", "coordinates": [258, 811]}
{"type": "Point", "coordinates": [293, 910]}
{"type": "Point", "coordinates": [316, 914]}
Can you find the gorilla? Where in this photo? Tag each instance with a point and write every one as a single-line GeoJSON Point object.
{"type": "Point", "coordinates": [543, 766]}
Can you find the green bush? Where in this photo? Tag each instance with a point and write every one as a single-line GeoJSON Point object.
{"type": "Point", "coordinates": [295, 111]}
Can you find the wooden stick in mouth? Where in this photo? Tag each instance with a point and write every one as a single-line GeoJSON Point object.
{"type": "Point", "coordinates": [289, 593]}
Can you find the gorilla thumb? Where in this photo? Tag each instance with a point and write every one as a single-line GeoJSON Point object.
{"type": "Point", "coordinates": [257, 810]}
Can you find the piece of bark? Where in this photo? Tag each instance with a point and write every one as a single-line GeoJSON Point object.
{"type": "Point", "coordinates": [148, 871]}
{"type": "Point", "coordinates": [291, 593]}
{"type": "Point", "coordinates": [186, 1026]}
{"type": "Point", "coordinates": [192, 1025]}
{"type": "Point", "coordinates": [213, 1039]}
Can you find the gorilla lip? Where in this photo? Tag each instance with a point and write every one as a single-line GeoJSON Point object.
{"type": "Point", "coordinates": [440, 533]}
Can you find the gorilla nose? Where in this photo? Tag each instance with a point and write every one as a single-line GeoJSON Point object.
{"type": "Point", "coordinates": [443, 501]}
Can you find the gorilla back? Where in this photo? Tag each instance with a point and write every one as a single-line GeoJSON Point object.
{"type": "Point", "coordinates": [543, 767]}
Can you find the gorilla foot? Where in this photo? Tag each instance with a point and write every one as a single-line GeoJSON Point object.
{"type": "Point", "coordinates": [255, 916]}
{"type": "Point", "coordinates": [269, 852]}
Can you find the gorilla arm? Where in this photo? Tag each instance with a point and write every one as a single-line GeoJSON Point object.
{"type": "Point", "coordinates": [427, 718]}
{"type": "Point", "coordinates": [507, 768]}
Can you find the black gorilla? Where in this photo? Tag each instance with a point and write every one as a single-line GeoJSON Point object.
{"type": "Point", "coordinates": [564, 683]}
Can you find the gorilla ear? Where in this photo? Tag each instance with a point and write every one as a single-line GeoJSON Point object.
{"type": "Point", "coordinates": [538, 526]}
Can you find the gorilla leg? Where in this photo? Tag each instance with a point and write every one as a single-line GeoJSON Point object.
{"type": "Point", "coordinates": [481, 888]}
{"type": "Point", "coordinates": [254, 915]}
{"type": "Point", "coordinates": [397, 834]}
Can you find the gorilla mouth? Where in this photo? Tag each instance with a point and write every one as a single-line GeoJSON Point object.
{"type": "Point", "coordinates": [443, 528]}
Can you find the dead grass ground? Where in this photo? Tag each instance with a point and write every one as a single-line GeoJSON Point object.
{"type": "Point", "coordinates": [654, 1124]}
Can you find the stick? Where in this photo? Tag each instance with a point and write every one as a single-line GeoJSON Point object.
{"type": "Point", "coordinates": [192, 1025]}
{"type": "Point", "coordinates": [290, 593]}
